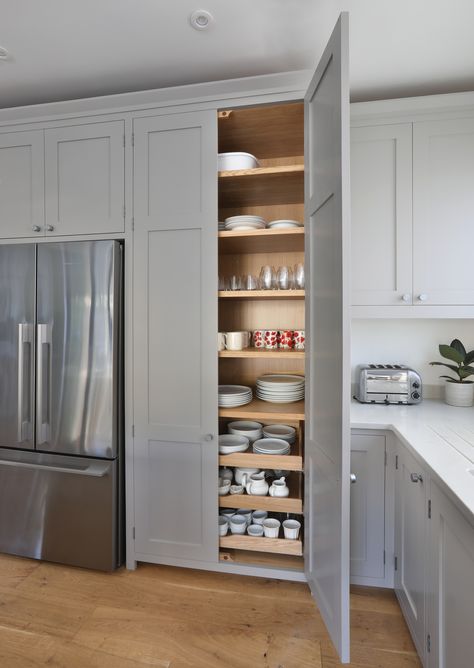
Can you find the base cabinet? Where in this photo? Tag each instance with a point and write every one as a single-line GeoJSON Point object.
{"type": "Point", "coordinates": [450, 591]}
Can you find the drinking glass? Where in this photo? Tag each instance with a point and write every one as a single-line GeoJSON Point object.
{"type": "Point", "coordinates": [283, 278]}
{"type": "Point", "coordinates": [267, 277]}
{"type": "Point", "coordinates": [235, 283]}
{"type": "Point", "coordinates": [299, 276]}
{"type": "Point", "coordinates": [249, 282]}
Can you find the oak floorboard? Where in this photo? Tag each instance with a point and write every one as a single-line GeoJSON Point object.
{"type": "Point", "coordinates": [64, 617]}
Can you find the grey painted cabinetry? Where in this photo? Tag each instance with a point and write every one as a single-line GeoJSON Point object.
{"type": "Point", "coordinates": [174, 333]}
{"type": "Point", "coordinates": [63, 181]}
{"type": "Point", "coordinates": [368, 507]}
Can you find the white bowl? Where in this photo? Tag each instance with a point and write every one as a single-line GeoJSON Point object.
{"type": "Point", "coordinates": [236, 160]}
{"type": "Point", "coordinates": [229, 443]}
{"type": "Point", "coordinates": [255, 530]}
{"type": "Point", "coordinates": [282, 431]}
{"type": "Point", "coordinates": [247, 428]}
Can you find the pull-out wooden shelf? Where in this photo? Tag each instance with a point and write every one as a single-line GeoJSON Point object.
{"type": "Point", "coordinates": [261, 294]}
{"type": "Point", "coordinates": [292, 462]}
{"type": "Point", "coordinates": [275, 545]}
{"type": "Point", "coordinates": [264, 410]}
{"type": "Point", "coordinates": [263, 353]}
{"type": "Point", "coordinates": [291, 504]}
{"type": "Point", "coordinates": [261, 241]}
{"type": "Point", "coordinates": [262, 185]}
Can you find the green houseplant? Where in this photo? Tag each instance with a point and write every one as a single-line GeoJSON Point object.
{"type": "Point", "coordinates": [459, 389]}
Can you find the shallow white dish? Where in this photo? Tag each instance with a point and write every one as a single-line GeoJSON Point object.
{"type": "Point", "coordinates": [271, 446]}
{"type": "Point", "coordinates": [237, 219]}
{"type": "Point", "coordinates": [244, 226]}
{"type": "Point", "coordinates": [283, 224]}
{"type": "Point", "coordinates": [282, 431]}
{"type": "Point", "coordinates": [233, 390]}
{"type": "Point", "coordinates": [280, 379]}
{"type": "Point", "coordinates": [236, 160]}
{"type": "Point", "coordinates": [252, 430]}
{"type": "Point", "coordinates": [229, 443]}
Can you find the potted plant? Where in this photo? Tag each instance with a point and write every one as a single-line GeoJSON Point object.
{"type": "Point", "coordinates": [459, 391]}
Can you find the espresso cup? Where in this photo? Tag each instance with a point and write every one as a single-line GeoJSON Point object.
{"type": "Point", "coordinates": [238, 524]}
{"type": "Point", "coordinates": [271, 527]}
{"type": "Point", "coordinates": [291, 529]}
{"type": "Point", "coordinates": [271, 339]}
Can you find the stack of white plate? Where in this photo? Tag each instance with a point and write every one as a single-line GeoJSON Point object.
{"type": "Point", "coordinates": [280, 388]}
{"type": "Point", "coordinates": [231, 396]}
{"type": "Point", "coordinates": [271, 446]}
{"type": "Point", "coordinates": [245, 223]}
{"type": "Point", "coordinates": [283, 431]}
{"type": "Point", "coordinates": [221, 225]}
{"type": "Point", "coordinates": [283, 224]}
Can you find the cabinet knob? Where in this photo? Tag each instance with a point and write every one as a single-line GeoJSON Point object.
{"type": "Point", "coordinates": [416, 477]}
{"type": "Point", "coordinates": [423, 297]}
{"type": "Point", "coordinates": [36, 228]}
{"type": "Point", "coordinates": [209, 437]}
{"type": "Point", "coordinates": [50, 228]}
{"type": "Point", "coordinates": [406, 297]}
{"type": "Point", "coordinates": [353, 478]}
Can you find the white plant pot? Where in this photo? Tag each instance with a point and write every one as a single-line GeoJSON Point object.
{"type": "Point", "coordinates": [459, 394]}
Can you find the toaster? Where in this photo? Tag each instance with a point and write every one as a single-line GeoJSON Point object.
{"type": "Point", "coordinates": [387, 384]}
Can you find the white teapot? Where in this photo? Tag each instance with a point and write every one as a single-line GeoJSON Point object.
{"type": "Point", "coordinates": [279, 488]}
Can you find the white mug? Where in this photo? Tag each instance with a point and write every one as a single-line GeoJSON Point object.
{"type": "Point", "coordinates": [245, 512]}
{"type": "Point", "coordinates": [255, 530]}
{"type": "Point", "coordinates": [236, 340]}
{"type": "Point", "coordinates": [223, 525]}
{"type": "Point", "coordinates": [271, 527]}
{"type": "Point", "coordinates": [291, 529]}
{"type": "Point", "coordinates": [238, 524]}
{"type": "Point", "coordinates": [220, 341]}
{"type": "Point", "coordinates": [258, 516]}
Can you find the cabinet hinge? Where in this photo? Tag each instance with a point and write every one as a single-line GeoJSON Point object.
{"type": "Point", "coordinates": [396, 563]}
{"type": "Point", "coordinates": [133, 430]}
{"type": "Point", "coordinates": [396, 462]}
{"type": "Point", "coordinates": [133, 533]}
{"type": "Point", "coordinates": [428, 643]}
{"type": "Point", "coordinates": [429, 509]}
{"type": "Point", "coordinates": [133, 139]}
{"type": "Point", "coordinates": [384, 557]}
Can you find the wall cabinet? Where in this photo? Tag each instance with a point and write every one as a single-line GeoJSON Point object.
{"type": "Point", "coordinates": [404, 257]}
{"type": "Point", "coordinates": [411, 503]}
{"type": "Point", "coordinates": [63, 181]}
{"type": "Point", "coordinates": [368, 454]}
{"type": "Point", "coordinates": [21, 184]}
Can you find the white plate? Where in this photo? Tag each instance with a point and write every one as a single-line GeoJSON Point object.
{"type": "Point", "coordinates": [283, 225]}
{"type": "Point", "coordinates": [271, 446]}
{"type": "Point", "coordinates": [229, 443]}
{"type": "Point", "coordinates": [234, 390]}
{"type": "Point", "coordinates": [237, 219]}
{"type": "Point", "coordinates": [280, 379]}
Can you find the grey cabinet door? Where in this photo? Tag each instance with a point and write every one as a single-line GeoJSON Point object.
{"type": "Point", "coordinates": [21, 184]}
{"type": "Point", "coordinates": [450, 590]}
{"type": "Point", "coordinates": [327, 261]}
{"type": "Point", "coordinates": [175, 334]}
{"type": "Point", "coordinates": [410, 543]}
{"type": "Point", "coordinates": [368, 506]}
{"type": "Point", "coordinates": [85, 179]}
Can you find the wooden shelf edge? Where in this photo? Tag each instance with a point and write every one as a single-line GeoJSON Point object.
{"type": "Point", "coordinates": [264, 410]}
{"type": "Point", "coordinates": [273, 545]}
{"type": "Point", "coordinates": [267, 232]}
{"type": "Point", "coordinates": [261, 294]}
{"type": "Point", "coordinates": [270, 503]}
{"type": "Point", "coordinates": [262, 353]}
{"type": "Point", "coordinates": [262, 171]}
{"type": "Point", "coordinates": [283, 462]}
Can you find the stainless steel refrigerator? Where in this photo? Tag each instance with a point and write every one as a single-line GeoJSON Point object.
{"type": "Point", "coordinates": [61, 428]}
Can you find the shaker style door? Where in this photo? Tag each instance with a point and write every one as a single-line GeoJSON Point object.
{"type": "Point", "coordinates": [174, 337]}
{"type": "Point", "coordinates": [17, 356]}
{"type": "Point", "coordinates": [328, 391]}
{"type": "Point", "coordinates": [21, 184]}
{"type": "Point", "coordinates": [85, 177]}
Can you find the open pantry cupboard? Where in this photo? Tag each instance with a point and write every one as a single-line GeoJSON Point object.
{"type": "Point", "coordinates": [274, 190]}
{"type": "Point", "coordinates": [178, 310]}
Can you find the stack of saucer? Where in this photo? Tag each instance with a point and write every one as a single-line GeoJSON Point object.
{"type": "Point", "coordinates": [271, 446]}
{"type": "Point", "coordinates": [231, 396]}
{"type": "Point", "coordinates": [280, 388]}
{"type": "Point", "coordinates": [246, 222]}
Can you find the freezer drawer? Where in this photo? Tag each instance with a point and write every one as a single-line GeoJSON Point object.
{"type": "Point", "coordinates": [58, 508]}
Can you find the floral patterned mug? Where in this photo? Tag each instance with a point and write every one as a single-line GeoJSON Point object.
{"type": "Point", "coordinates": [299, 339]}
{"type": "Point", "coordinates": [286, 337]}
{"type": "Point", "coordinates": [271, 339]}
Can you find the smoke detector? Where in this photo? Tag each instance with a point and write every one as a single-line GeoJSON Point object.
{"type": "Point", "coordinates": [201, 19]}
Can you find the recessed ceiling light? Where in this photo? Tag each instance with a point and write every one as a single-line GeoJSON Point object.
{"type": "Point", "coordinates": [3, 53]}
{"type": "Point", "coordinates": [201, 19]}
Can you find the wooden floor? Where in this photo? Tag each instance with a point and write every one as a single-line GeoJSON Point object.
{"type": "Point", "coordinates": [174, 618]}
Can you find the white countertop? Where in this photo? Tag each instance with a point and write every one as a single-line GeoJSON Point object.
{"type": "Point", "coordinates": [442, 435]}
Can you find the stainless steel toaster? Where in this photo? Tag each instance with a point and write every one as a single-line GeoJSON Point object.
{"type": "Point", "coordinates": [388, 384]}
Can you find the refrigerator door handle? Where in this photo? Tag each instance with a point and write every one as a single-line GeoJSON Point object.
{"type": "Point", "coordinates": [43, 379]}
{"type": "Point", "coordinates": [97, 469]}
{"type": "Point", "coordinates": [25, 337]}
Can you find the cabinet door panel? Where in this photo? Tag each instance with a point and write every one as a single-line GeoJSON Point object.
{"type": "Point", "coordinates": [443, 205]}
{"type": "Point", "coordinates": [368, 506]}
{"type": "Point", "coordinates": [410, 545]}
{"type": "Point", "coordinates": [21, 184]}
{"type": "Point", "coordinates": [451, 584]}
{"type": "Point", "coordinates": [85, 179]}
{"type": "Point", "coordinates": [175, 329]}
{"type": "Point", "coordinates": [381, 187]}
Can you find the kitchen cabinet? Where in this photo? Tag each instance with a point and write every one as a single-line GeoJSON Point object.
{"type": "Point", "coordinates": [84, 179]}
{"type": "Point", "coordinates": [450, 590]}
{"type": "Point", "coordinates": [381, 214]}
{"type": "Point", "coordinates": [368, 456]}
{"type": "Point", "coordinates": [443, 205]}
{"type": "Point", "coordinates": [411, 504]}
{"type": "Point", "coordinates": [21, 184]}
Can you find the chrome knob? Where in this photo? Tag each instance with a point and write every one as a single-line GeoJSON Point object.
{"type": "Point", "coordinates": [423, 297]}
{"type": "Point", "coordinates": [416, 477]}
{"type": "Point", "coordinates": [353, 478]}
{"type": "Point", "coordinates": [209, 437]}
{"type": "Point", "coordinates": [406, 297]}
{"type": "Point", "coordinates": [50, 228]}
{"type": "Point", "coordinates": [36, 228]}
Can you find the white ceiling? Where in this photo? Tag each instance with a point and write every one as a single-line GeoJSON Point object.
{"type": "Point", "coordinates": [65, 49]}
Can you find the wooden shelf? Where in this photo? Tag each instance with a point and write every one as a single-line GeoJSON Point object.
{"type": "Point", "coordinates": [262, 185]}
{"type": "Point", "coordinates": [261, 294]}
{"type": "Point", "coordinates": [291, 504]}
{"type": "Point", "coordinates": [274, 545]}
{"type": "Point", "coordinates": [292, 462]}
{"type": "Point", "coordinates": [261, 241]}
{"type": "Point", "coordinates": [263, 353]}
{"type": "Point", "coordinates": [267, 559]}
{"type": "Point", "coordinates": [264, 410]}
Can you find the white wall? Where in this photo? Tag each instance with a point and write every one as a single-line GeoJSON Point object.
{"type": "Point", "coordinates": [410, 342]}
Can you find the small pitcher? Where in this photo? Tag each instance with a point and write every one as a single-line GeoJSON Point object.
{"type": "Point", "coordinates": [257, 485]}
{"type": "Point", "coordinates": [279, 488]}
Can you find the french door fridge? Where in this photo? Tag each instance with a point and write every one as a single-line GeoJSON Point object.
{"type": "Point", "coordinates": [61, 402]}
